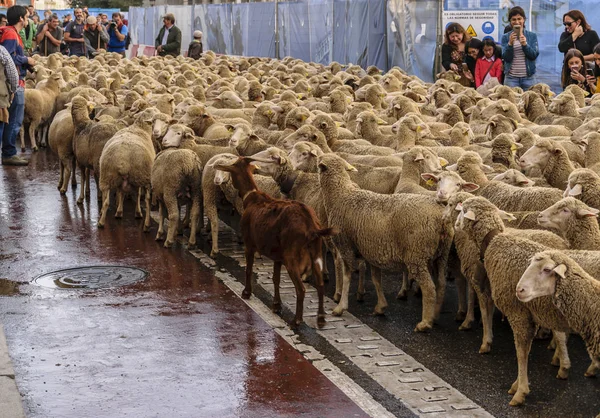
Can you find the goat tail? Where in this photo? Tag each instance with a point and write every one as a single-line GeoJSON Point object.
{"type": "Point", "coordinates": [326, 232]}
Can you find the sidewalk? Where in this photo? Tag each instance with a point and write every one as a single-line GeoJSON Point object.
{"type": "Point", "coordinates": [10, 398]}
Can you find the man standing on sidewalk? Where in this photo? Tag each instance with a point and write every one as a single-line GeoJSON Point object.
{"type": "Point", "coordinates": [10, 39]}
{"type": "Point", "coordinates": [74, 35]}
{"type": "Point", "coordinates": [168, 41]}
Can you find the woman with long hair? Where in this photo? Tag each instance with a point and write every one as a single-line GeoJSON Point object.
{"type": "Point", "coordinates": [574, 71]}
{"type": "Point", "coordinates": [454, 50]}
{"type": "Point", "coordinates": [578, 34]}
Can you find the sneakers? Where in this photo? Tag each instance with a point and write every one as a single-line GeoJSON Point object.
{"type": "Point", "coordinates": [14, 160]}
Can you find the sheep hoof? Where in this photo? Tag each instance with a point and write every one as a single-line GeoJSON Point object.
{"type": "Point", "coordinates": [360, 296]}
{"type": "Point", "coordinates": [518, 399]}
{"type": "Point", "coordinates": [325, 277]}
{"type": "Point", "coordinates": [402, 295]}
{"type": "Point", "coordinates": [138, 215]}
{"type": "Point", "coordinates": [22, 149]}
{"type": "Point", "coordinates": [296, 322]}
{"type": "Point", "coordinates": [63, 192]}
{"type": "Point", "coordinates": [146, 228]}
{"type": "Point", "coordinates": [191, 246]}
{"type": "Point", "coordinates": [379, 310]}
{"type": "Point", "coordinates": [34, 149]}
{"type": "Point", "coordinates": [168, 244]}
{"type": "Point", "coordinates": [485, 348]}
{"type": "Point", "coordinates": [100, 225]}
{"type": "Point", "coordinates": [592, 371]}
{"type": "Point", "coordinates": [214, 253]}
{"type": "Point", "coordinates": [563, 374]}
{"type": "Point", "coordinates": [466, 325]}
{"type": "Point", "coordinates": [460, 316]}
{"type": "Point", "coordinates": [338, 311]}
{"type": "Point", "coordinates": [119, 215]}
{"type": "Point", "coordinates": [80, 201]}
{"type": "Point", "coordinates": [337, 297]}
{"type": "Point", "coordinates": [160, 236]}
{"type": "Point", "coordinates": [276, 308]}
{"type": "Point", "coordinates": [423, 327]}
{"type": "Point", "coordinates": [246, 294]}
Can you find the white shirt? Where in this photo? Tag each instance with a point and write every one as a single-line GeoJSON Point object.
{"type": "Point", "coordinates": [166, 35]}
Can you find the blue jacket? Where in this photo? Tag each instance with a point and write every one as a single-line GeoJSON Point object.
{"type": "Point", "coordinates": [531, 51]}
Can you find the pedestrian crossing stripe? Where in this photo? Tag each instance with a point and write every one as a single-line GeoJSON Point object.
{"type": "Point", "coordinates": [471, 31]}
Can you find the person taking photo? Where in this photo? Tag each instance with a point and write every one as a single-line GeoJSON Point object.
{"type": "Point", "coordinates": [117, 32]}
{"type": "Point", "coordinates": [519, 52]}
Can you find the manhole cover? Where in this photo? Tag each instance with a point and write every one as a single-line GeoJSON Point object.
{"type": "Point", "coordinates": [93, 277]}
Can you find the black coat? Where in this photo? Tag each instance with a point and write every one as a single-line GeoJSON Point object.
{"type": "Point", "coordinates": [585, 43]}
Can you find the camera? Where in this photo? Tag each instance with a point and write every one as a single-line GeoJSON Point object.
{"type": "Point", "coordinates": [112, 24]}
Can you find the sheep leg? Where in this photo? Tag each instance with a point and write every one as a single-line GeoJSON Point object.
{"type": "Point", "coordinates": [87, 183]}
{"type": "Point", "coordinates": [461, 288]}
{"type": "Point", "coordinates": [22, 135]}
{"type": "Point", "coordinates": [524, 331]}
{"type": "Point", "coordinates": [441, 270]}
{"type": "Point", "coordinates": [194, 219]}
{"type": "Point", "coordinates": [381, 302]}
{"type": "Point", "coordinates": [561, 355]}
{"type": "Point", "coordinates": [213, 221]}
{"type": "Point", "coordinates": [147, 220]}
{"type": "Point", "coordinates": [470, 317]}
{"type": "Point", "coordinates": [423, 278]}
{"type": "Point", "coordinates": [594, 368]}
{"type": "Point", "coordinates": [97, 182]}
{"type": "Point", "coordinates": [83, 172]}
{"type": "Point", "coordinates": [61, 169]}
{"type": "Point", "coordinates": [362, 271]}
{"type": "Point", "coordinates": [338, 265]}
{"type": "Point", "coordinates": [138, 205]}
{"type": "Point", "coordinates": [173, 214]}
{"type": "Point", "coordinates": [319, 284]}
{"type": "Point", "coordinates": [72, 172]}
{"type": "Point", "coordinates": [300, 291]}
{"type": "Point", "coordinates": [276, 280]}
{"type": "Point", "coordinates": [106, 196]}
{"type": "Point", "coordinates": [346, 273]}
{"type": "Point", "coordinates": [32, 129]}
{"type": "Point", "coordinates": [120, 198]}
{"type": "Point", "coordinates": [249, 253]}
{"type": "Point", "coordinates": [403, 293]}
{"type": "Point", "coordinates": [67, 165]}
{"type": "Point", "coordinates": [44, 140]}
{"type": "Point", "coordinates": [160, 234]}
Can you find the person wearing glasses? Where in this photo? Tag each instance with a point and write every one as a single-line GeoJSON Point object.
{"type": "Point", "coordinates": [578, 34]}
{"type": "Point", "coordinates": [519, 52]}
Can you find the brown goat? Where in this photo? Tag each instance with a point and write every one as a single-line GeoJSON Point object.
{"type": "Point", "coordinates": [286, 231]}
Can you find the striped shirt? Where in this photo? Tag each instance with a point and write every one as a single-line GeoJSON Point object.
{"type": "Point", "coordinates": [518, 68]}
{"type": "Point", "coordinates": [10, 70]}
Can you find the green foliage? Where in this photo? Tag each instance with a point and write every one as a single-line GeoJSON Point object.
{"type": "Point", "coordinates": [107, 4]}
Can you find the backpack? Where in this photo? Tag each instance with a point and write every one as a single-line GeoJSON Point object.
{"type": "Point", "coordinates": [127, 41]}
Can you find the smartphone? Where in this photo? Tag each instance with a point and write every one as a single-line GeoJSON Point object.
{"type": "Point", "coordinates": [517, 30]}
{"type": "Point", "coordinates": [465, 67]}
{"type": "Point", "coordinates": [590, 72]}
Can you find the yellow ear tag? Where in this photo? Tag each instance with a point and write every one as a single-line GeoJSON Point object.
{"type": "Point", "coordinates": [443, 162]}
{"type": "Point", "coordinates": [299, 97]}
{"type": "Point", "coordinates": [419, 129]}
{"type": "Point", "coordinates": [513, 147]}
{"type": "Point", "coordinates": [430, 183]}
{"type": "Point", "coordinates": [230, 129]}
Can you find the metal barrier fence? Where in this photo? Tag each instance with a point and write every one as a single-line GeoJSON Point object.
{"type": "Point", "coordinates": [384, 33]}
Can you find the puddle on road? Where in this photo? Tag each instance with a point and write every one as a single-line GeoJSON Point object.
{"type": "Point", "coordinates": [91, 277]}
{"type": "Point", "coordinates": [8, 287]}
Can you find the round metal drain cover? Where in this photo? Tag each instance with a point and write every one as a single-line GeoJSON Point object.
{"type": "Point", "coordinates": [92, 277]}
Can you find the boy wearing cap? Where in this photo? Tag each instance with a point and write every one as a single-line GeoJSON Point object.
{"type": "Point", "coordinates": [168, 41]}
{"type": "Point", "coordinates": [195, 48]}
{"type": "Point", "coordinates": [95, 35]}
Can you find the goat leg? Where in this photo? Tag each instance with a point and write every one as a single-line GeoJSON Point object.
{"type": "Point", "coordinates": [249, 253]}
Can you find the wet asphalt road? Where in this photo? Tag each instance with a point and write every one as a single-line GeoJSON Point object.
{"type": "Point", "coordinates": [180, 344]}
{"type": "Point", "coordinates": [174, 315]}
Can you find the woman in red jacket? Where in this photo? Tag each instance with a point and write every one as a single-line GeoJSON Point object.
{"type": "Point", "coordinates": [489, 64]}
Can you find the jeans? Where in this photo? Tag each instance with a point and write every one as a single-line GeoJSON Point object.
{"type": "Point", "coordinates": [524, 82]}
{"type": "Point", "coordinates": [10, 130]}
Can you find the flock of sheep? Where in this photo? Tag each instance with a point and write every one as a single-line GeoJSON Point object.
{"type": "Point", "coordinates": [424, 180]}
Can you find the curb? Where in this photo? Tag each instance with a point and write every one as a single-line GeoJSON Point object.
{"type": "Point", "coordinates": [10, 398]}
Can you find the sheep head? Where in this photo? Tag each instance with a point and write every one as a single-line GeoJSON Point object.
{"type": "Point", "coordinates": [176, 134]}
{"type": "Point", "coordinates": [561, 215]}
{"type": "Point", "coordinates": [514, 178]}
{"type": "Point", "coordinates": [540, 277]}
{"type": "Point", "coordinates": [447, 184]}
{"type": "Point", "coordinates": [303, 154]}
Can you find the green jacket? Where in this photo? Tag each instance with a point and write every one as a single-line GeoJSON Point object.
{"type": "Point", "coordinates": [173, 45]}
{"type": "Point", "coordinates": [28, 35]}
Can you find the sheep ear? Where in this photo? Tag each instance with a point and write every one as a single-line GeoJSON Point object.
{"type": "Point", "coordinates": [487, 169]}
{"type": "Point", "coordinates": [469, 187]}
{"type": "Point", "coordinates": [557, 151]}
{"type": "Point", "coordinates": [575, 190]}
{"type": "Point", "coordinates": [428, 177]}
{"type": "Point", "coordinates": [561, 270]}
{"type": "Point", "coordinates": [470, 215]}
{"type": "Point", "coordinates": [506, 216]}
{"type": "Point", "coordinates": [419, 157]}
{"type": "Point", "coordinates": [172, 122]}
{"type": "Point", "coordinates": [583, 213]}
{"type": "Point", "coordinates": [526, 182]}
{"type": "Point", "coordinates": [381, 122]}
{"type": "Point", "coordinates": [504, 107]}
{"type": "Point", "coordinates": [314, 152]}
{"type": "Point", "coordinates": [452, 167]}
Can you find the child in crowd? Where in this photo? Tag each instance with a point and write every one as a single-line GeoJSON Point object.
{"type": "Point", "coordinates": [473, 52]}
{"type": "Point", "coordinates": [574, 71]}
{"type": "Point", "coordinates": [489, 63]}
{"type": "Point", "coordinates": [195, 48]}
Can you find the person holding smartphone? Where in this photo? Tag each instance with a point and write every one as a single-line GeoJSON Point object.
{"type": "Point", "coordinates": [578, 34]}
{"type": "Point", "coordinates": [519, 52]}
{"type": "Point", "coordinates": [574, 71]}
{"type": "Point", "coordinates": [593, 75]}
